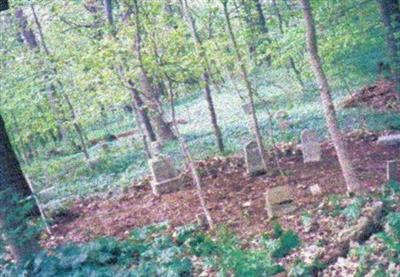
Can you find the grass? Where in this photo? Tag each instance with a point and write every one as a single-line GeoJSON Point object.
{"type": "Point", "coordinates": [125, 161]}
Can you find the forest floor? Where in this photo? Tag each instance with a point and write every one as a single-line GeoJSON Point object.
{"type": "Point", "coordinates": [236, 200]}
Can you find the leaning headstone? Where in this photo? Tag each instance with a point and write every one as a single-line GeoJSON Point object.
{"type": "Point", "coordinates": [310, 146]}
{"type": "Point", "coordinates": [391, 171]}
{"type": "Point", "coordinates": [389, 140]}
{"type": "Point", "coordinates": [279, 201]}
{"type": "Point", "coordinates": [253, 158]}
{"type": "Point", "coordinates": [165, 177]}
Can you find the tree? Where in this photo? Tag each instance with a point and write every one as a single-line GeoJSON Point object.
{"type": "Point", "coordinates": [250, 91]}
{"type": "Point", "coordinates": [14, 192]}
{"type": "Point", "coordinates": [352, 183]}
{"type": "Point", "coordinates": [206, 74]}
{"type": "Point", "coordinates": [390, 16]}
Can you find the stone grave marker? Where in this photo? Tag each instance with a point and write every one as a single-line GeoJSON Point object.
{"type": "Point", "coordinates": [311, 147]}
{"type": "Point", "coordinates": [391, 171]}
{"type": "Point", "coordinates": [279, 201]}
{"type": "Point", "coordinates": [165, 176]}
{"type": "Point", "coordinates": [389, 140]}
{"type": "Point", "coordinates": [253, 159]}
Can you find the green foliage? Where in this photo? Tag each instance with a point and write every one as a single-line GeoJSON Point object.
{"type": "Point", "coordinates": [353, 211]}
{"type": "Point", "coordinates": [151, 251]}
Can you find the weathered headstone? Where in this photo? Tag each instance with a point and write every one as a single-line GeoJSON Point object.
{"type": "Point", "coordinates": [279, 201]}
{"type": "Point", "coordinates": [165, 176]}
{"type": "Point", "coordinates": [389, 140]}
{"type": "Point", "coordinates": [282, 118]}
{"type": "Point", "coordinates": [311, 147]}
{"type": "Point", "coordinates": [391, 171]}
{"type": "Point", "coordinates": [253, 159]}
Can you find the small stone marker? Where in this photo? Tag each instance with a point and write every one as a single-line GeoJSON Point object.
{"type": "Point", "coordinates": [310, 146]}
{"type": "Point", "coordinates": [253, 159]}
{"type": "Point", "coordinates": [315, 190]}
{"type": "Point", "coordinates": [391, 171]}
{"type": "Point", "coordinates": [165, 177]}
{"type": "Point", "coordinates": [389, 140]}
{"type": "Point", "coordinates": [279, 201]}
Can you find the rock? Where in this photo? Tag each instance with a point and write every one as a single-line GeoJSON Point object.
{"type": "Point", "coordinates": [279, 201]}
{"type": "Point", "coordinates": [315, 190]}
{"type": "Point", "coordinates": [389, 140]}
{"type": "Point", "coordinates": [310, 146]}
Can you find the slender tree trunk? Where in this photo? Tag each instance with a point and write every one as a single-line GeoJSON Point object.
{"type": "Point", "coordinates": [190, 163]}
{"type": "Point", "coordinates": [206, 75]}
{"type": "Point", "coordinates": [108, 11]}
{"type": "Point", "coordinates": [292, 63]}
{"type": "Point", "coordinates": [389, 11]}
{"type": "Point", "coordinates": [14, 191]}
{"type": "Point", "coordinates": [250, 91]}
{"type": "Point", "coordinates": [142, 113]}
{"type": "Point", "coordinates": [162, 129]}
{"type": "Point", "coordinates": [262, 23]}
{"type": "Point", "coordinates": [352, 182]}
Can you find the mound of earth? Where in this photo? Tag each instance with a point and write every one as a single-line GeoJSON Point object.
{"type": "Point", "coordinates": [381, 96]}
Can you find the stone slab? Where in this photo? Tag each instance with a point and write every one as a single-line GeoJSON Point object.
{"type": "Point", "coordinates": [279, 201]}
{"type": "Point", "coordinates": [310, 146]}
{"type": "Point", "coordinates": [168, 186]}
{"type": "Point", "coordinates": [253, 159]}
{"type": "Point", "coordinates": [392, 171]}
{"type": "Point", "coordinates": [389, 140]}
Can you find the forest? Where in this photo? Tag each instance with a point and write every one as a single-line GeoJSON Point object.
{"type": "Point", "coordinates": [200, 138]}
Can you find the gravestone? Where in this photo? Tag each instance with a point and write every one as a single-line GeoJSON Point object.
{"type": "Point", "coordinates": [389, 140]}
{"type": "Point", "coordinates": [391, 171]}
{"type": "Point", "coordinates": [165, 177]}
{"type": "Point", "coordinates": [311, 147]}
{"type": "Point", "coordinates": [253, 159]}
{"type": "Point", "coordinates": [279, 201]}
{"type": "Point", "coordinates": [282, 118]}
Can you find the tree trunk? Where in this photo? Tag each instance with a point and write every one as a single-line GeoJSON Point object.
{"type": "Point", "coordinates": [14, 192]}
{"type": "Point", "coordinates": [162, 129]}
{"type": "Point", "coordinates": [27, 34]}
{"type": "Point", "coordinates": [192, 166]}
{"type": "Point", "coordinates": [142, 113]}
{"type": "Point", "coordinates": [390, 14]}
{"type": "Point", "coordinates": [206, 76]}
{"type": "Point", "coordinates": [352, 182]}
{"type": "Point", "coordinates": [254, 120]}
{"type": "Point", "coordinates": [262, 23]}
{"type": "Point", "coordinates": [108, 12]}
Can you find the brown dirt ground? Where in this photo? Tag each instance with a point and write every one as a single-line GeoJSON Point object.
{"type": "Point", "coordinates": [233, 198]}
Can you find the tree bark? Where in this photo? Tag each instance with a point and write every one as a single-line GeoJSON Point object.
{"type": "Point", "coordinates": [352, 182]}
{"type": "Point", "coordinates": [389, 10]}
{"type": "Point", "coordinates": [206, 76]}
{"type": "Point", "coordinates": [142, 113]}
{"type": "Point", "coordinates": [254, 120]}
{"type": "Point", "coordinates": [262, 23]}
{"type": "Point", "coordinates": [162, 129]}
{"type": "Point", "coordinates": [14, 192]}
{"type": "Point", "coordinates": [108, 12]}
